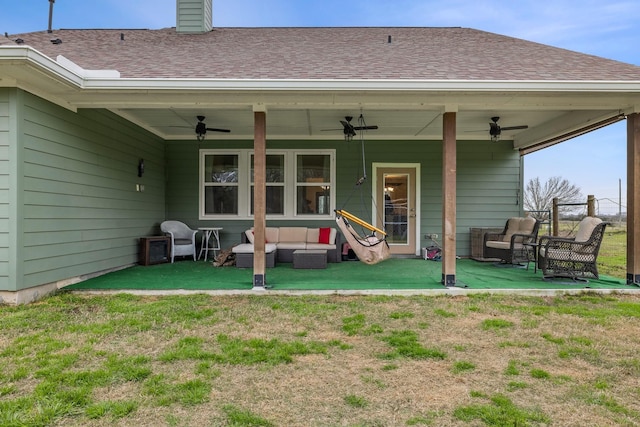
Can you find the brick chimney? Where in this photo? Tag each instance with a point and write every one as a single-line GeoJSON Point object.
{"type": "Point", "coordinates": [194, 16]}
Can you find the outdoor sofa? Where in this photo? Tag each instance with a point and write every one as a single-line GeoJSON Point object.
{"type": "Point", "coordinates": [281, 242]}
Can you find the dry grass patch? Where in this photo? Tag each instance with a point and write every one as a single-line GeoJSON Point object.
{"type": "Point", "coordinates": [320, 361]}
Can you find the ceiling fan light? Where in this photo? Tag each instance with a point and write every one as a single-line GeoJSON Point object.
{"type": "Point", "coordinates": [495, 138]}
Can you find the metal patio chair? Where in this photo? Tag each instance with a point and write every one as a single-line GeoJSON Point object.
{"type": "Point", "coordinates": [514, 243]}
{"type": "Point", "coordinates": [573, 257]}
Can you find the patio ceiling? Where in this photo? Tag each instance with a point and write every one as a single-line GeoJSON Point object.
{"type": "Point", "coordinates": [321, 124]}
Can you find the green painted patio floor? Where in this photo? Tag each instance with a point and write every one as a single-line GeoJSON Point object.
{"type": "Point", "coordinates": [392, 274]}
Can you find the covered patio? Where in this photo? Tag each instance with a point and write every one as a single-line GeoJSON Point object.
{"type": "Point", "coordinates": [105, 135]}
{"type": "Point", "coordinates": [393, 276]}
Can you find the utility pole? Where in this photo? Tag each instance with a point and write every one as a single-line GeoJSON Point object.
{"type": "Point", "coordinates": [619, 201]}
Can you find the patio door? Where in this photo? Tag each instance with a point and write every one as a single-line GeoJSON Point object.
{"type": "Point", "coordinates": [396, 195]}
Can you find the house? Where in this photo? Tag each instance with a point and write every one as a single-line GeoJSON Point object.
{"type": "Point", "coordinates": [98, 139]}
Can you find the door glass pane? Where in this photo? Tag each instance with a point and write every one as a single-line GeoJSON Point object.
{"type": "Point", "coordinates": [396, 208]}
{"type": "Point", "coordinates": [221, 200]}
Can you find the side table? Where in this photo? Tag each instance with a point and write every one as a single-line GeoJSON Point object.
{"type": "Point", "coordinates": [154, 250]}
{"type": "Point", "coordinates": [209, 232]}
{"type": "Point", "coordinates": [532, 255]}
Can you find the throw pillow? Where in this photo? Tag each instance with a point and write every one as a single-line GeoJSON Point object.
{"type": "Point", "coordinates": [324, 235]}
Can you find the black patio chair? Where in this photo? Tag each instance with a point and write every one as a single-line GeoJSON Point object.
{"type": "Point", "coordinates": [515, 244]}
{"type": "Point", "coordinates": [573, 257]}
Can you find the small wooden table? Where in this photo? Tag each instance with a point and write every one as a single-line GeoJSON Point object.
{"type": "Point", "coordinates": [154, 250]}
{"type": "Point", "coordinates": [205, 247]}
{"type": "Point", "coordinates": [310, 258]}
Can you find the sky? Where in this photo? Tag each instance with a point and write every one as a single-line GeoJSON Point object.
{"type": "Point", "coordinates": [609, 29]}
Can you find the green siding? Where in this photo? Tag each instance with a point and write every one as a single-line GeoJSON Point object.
{"type": "Point", "coordinates": [6, 135]}
{"type": "Point", "coordinates": [82, 213]}
{"type": "Point", "coordinates": [488, 177]}
{"type": "Point", "coordinates": [194, 16]}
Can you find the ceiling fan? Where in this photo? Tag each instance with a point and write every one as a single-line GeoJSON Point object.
{"type": "Point", "coordinates": [349, 130]}
{"type": "Point", "coordinates": [495, 129]}
{"type": "Point", "coordinates": [201, 128]}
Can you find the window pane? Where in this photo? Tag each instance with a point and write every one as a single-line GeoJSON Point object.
{"type": "Point", "coordinates": [221, 200]}
{"type": "Point", "coordinates": [275, 168]}
{"type": "Point", "coordinates": [221, 168]}
{"type": "Point", "coordinates": [275, 200]}
{"type": "Point", "coordinates": [313, 200]}
{"type": "Point", "coordinates": [313, 168]}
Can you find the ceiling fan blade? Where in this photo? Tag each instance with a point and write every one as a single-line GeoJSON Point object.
{"type": "Point", "coordinates": [365, 127]}
{"type": "Point", "coordinates": [219, 130]}
{"type": "Point", "coordinates": [514, 127]}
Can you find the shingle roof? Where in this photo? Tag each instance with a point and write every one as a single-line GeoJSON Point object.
{"type": "Point", "coordinates": [324, 53]}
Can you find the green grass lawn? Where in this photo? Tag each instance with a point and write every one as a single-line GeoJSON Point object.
{"type": "Point", "coordinates": [612, 260]}
{"type": "Point", "coordinates": [199, 360]}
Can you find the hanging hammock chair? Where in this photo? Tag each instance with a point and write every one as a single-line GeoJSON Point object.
{"type": "Point", "coordinates": [370, 249]}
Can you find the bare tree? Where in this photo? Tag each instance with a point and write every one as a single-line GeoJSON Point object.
{"type": "Point", "coordinates": [538, 197]}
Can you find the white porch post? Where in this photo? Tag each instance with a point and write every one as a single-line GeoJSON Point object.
{"type": "Point", "coordinates": [449, 199]}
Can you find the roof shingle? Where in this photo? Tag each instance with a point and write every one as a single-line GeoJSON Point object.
{"type": "Point", "coordinates": [325, 53]}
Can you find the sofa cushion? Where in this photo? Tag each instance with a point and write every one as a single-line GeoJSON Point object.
{"type": "Point", "coordinates": [247, 248]}
{"type": "Point", "coordinates": [292, 234]}
{"type": "Point", "coordinates": [313, 234]}
{"type": "Point", "coordinates": [292, 245]}
{"type": "Point", "coordinates": [517, 225]}
{"type": "Point", "coordinates": [585, 228]}
{"type": "Point", "coordinates": [320, 246]}
{"type": "Point", "coordinates": [270, 234]}
{"type": "Point", "coordinates": [496, 244]}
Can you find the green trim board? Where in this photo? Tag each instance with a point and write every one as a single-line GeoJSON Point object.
{"type": "Point", "coordinates": [392, 274]}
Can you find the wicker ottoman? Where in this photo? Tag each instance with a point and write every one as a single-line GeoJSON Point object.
{"type": "Point", "coordinates": [308, 258]}
{"type": "Point", "coordinates": [244, 255]}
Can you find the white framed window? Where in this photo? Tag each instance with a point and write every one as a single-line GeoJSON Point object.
{"type": "Point", "coordinates": [275, 184]}
{"type": "Point", "coordinates": [299, 184]}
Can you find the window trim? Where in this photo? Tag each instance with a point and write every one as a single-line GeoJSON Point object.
{"type": "Point", "coordinates": [245, 184]}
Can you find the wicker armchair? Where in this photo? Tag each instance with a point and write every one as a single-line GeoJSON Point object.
{"type": "Point", "coordinates": [572, 257]}
{"type": "Point", "coordinates": [183, 239]}
{"type": "Point", "coordinates": [510, 246]}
